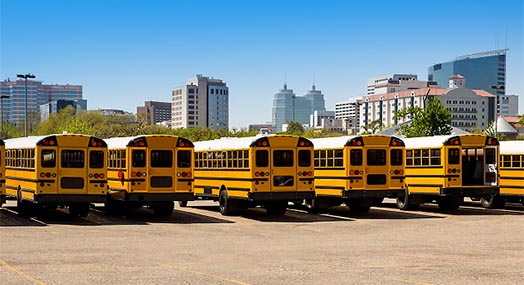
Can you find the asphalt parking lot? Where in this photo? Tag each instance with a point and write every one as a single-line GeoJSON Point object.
{"type": "Point", "coordinates": [199, 246]}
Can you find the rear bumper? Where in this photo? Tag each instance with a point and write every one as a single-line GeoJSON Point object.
{"type": "Point", "coordinates": [470, 192]}
{"type": "Point", "coordinates": [358, 194]}
{"type": "Point", "coordinates": [280, 196]}
{"type": "Point", "coordinates": [68, 198]}
{"type": "Point", "coordinates": [2, 199]}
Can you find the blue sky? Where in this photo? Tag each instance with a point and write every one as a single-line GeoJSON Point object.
{"type": "Point", "coordinates": [127, 52]}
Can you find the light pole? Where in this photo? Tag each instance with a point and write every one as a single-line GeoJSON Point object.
{"type": "Point", "coordinates": [25, 76]}
{"type": "Point", "coordinates": [497, 112]}
{"type": "Point", "coordinates": [2, 115]}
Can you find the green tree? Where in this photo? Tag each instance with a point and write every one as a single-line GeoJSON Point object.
{"type": "Point", "coordinates": [294, 128]}
{"type": "Point", "coordinates": [491, 131]}
{"type": "Point", "coordinates": [373, 127]}
{"type": "Point", "coordinates": [433, 120]}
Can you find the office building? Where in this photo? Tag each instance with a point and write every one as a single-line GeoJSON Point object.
{"type": "Point", "coordinates": [201, 102]}
{"type": "Point", "coordinates": [155, 112]}
{"type": "Point", "coordinates": [57, 105]}
{"type": "Point", "coordinates": [469, 108]}
{"type": "Point", "coordinates": [13, 97]}
{"type": "Point", "coordinates": [289, 107]}
{"type": "Point", "coordinates": [483, 71]}
{"type": "Point", "coordinates": [349, 113]}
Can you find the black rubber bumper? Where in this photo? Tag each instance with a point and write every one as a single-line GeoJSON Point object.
{"type": "Point", "coordinates": [159, 197]}
{"type": "Point", "coordinates": [469, 192]}
{"type": "Point", "coordinates": [68, 198]}
{"type": "Point", "coordinates": [358, 194]}
{"type": "Point", "coordinates": [281, 196]}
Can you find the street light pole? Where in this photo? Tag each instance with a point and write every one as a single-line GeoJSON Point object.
{"type": "Point", "coordinates": [2, 115]}
{"type": "Point", "coordinates": [25, 76]}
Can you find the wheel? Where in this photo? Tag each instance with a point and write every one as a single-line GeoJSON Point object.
{"type": "Point", "coordinates": [449, 203]}
{"type": "Point", "coordinates": [164, 209]}
{"type": "Point", "coordinates": [359, 206]}
{"type": "Point", "coordinates": [225, 205]}
{"type": "Point", "coordinates": [182, 204]}
{"type": "Point", "coordinates": [492, 202]}
{"type": "Point", "coordinates": [406, 202]}
{"type": "Point", "coordinates": [277, 208]}
{"type": "Point", "coordinates": [21, 205]}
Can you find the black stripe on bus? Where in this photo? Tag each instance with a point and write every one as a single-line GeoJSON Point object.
{"type": "Point", "coordinates": [238, 189]}
{"type": "Point", "coordinates": [512, 177]}
{"type": "Point", "coordinates": [116, 189]}
{"type": "Point", "coordinates": [331, 168]}
{"type": "Point", "coordinates": [185, 179]}
{"type": "Point", "coordinates": [97, 181]}
{"type": "Point", "coordinates": [30, 179]}
{"type": "Point", "coordinates": [21, 169]}
{"type": "Point", "coordinates": [512, 186]}
{"type": "Point", "coordinates": [21, 189]}
{"type": "Point", "coordinates": [512, 169]}
{"type": "Point", "coordinates": [231, 179]}
{"type": "Point", "coordinates": [204, 186]}
{"type": "Point", "coordinates": [330, 187]}
{"type": "Point", "coordinates": [433, 175]}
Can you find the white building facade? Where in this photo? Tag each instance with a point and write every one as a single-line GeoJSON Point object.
{"type": "Point", "coordinates": [202, 102]}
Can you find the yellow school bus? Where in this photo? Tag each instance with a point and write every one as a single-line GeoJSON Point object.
{"type": "Point", "coordinates": [448, 168]}
{"type": "Point", "coordinates": [267, 171]}
{"type": "Point", "coordinates": [56, 170]}
{"type": "Point", "coordinates": [358, 171]}
{"type": "Point", "coordinates": [511, 176]}
{"type": "Point", "coordinates": [149, 170]}
{"type": "Point", "coordinates": [2, 172]}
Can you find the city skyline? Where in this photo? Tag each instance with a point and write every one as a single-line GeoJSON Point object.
{"type": "Point", "coordinates": [124, 55]}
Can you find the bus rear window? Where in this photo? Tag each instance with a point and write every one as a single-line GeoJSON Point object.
{"type": "Point", "coordinates": [138, 158]}
{"type": "Point", "coordinates": [184, 158]}
{"type": "Point", "coordinates": [376, 156]}
{"type": "Point", "coordinates": [490, 156]}
{"type": "Point", "coordinates": [453, 156]}
{"type": "Point", "coordinates": [304, 158]}
{"type": "Point", "coordinates": [396, 157]}
{"type": "Point", "coordinates": [261, 158]}
{"type": "Point", "coordinates": [282, 158]}
{"type": "Point", "coordinates": [48, 158]}
{"type": "Point", "coordinates": [72, 158]}
{"type": "Point", "coordinates": [161, 158]}
{"type": "Point", "coordinates": [355, 157]}
{"type": "Point", "coordinates": [96, 159]}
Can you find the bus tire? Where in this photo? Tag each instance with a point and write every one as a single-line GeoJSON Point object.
{"type": "Point", "coordinates": [164, 209]}
{"type": "Point", "coordinates": [225, 205]}
{"type": "Point", "coordinates": [79, 210]}
{"type": "Point", "coordinates": [493, 202]}
{"type": "Point", "coordinates": [406, 202]}
{"type": "Point", "coordinates": [21, 205]}
{"type": "Point", "coordinates": [276, 208]}
{"type": "Point", "coordinates": [113, 207]}
{"type": "Point", "coordinates": [182, 204]}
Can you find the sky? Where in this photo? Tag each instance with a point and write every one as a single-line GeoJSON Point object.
{"type": "Point", "coordinates": [126, 52]}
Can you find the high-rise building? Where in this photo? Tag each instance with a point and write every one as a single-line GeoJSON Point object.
{"type": "Point", "coordinates": [13, 101]}
{"type": "Point", "coordinates": [289, 107]}
{"type": "Point", "coordinates": [483, 70]}
{"type": "Point", "coordinates": [349, 113]}
{"type": "Point", "coordinates": [58, 105]}
{"type": "Point", "coordinates": [155, 112]}
{"type": "Point", "coordinates": [202, 102]}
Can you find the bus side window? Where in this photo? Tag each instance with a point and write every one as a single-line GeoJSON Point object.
{"type": "Point", "coordinates": [339, 157]}
{"type": "Point", "coordinates": [516, 161]}
{"type": "Point", "coordinates": [409, 157]}
{"type": "Point", "coordinates": [435, 157]}
{"type": "Point", "coordinates": [417, 159]}
{"type": "Point", "coordinates": [506, 160]}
